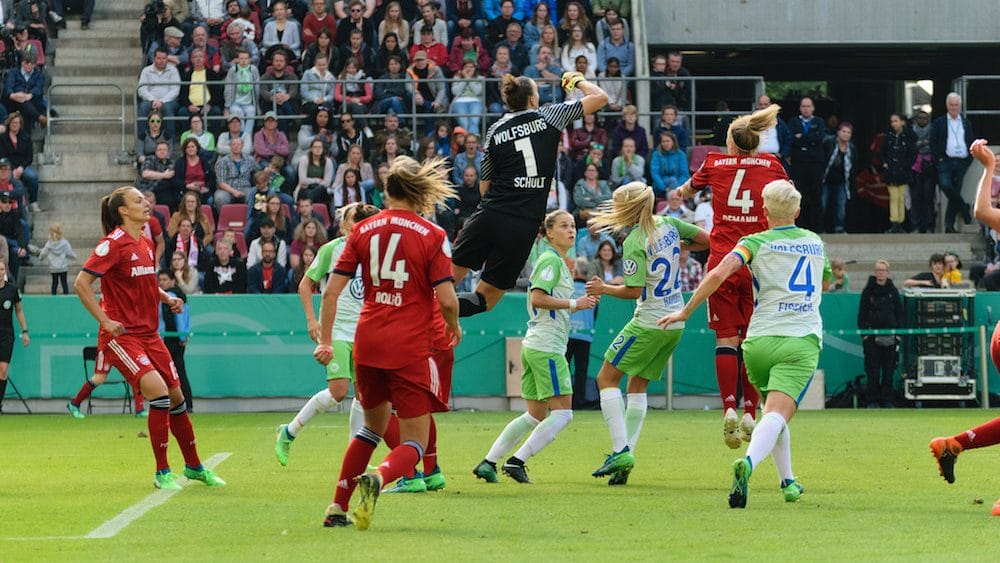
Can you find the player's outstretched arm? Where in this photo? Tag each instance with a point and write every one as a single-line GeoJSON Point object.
{"type": "Point", "coordinates": [729, 265]}
{"type": "Point", "coordinates": [596, 287]}
{"type": "Point", "coordinates": [541, 300]}
{"type": "Point", "coordinates": [594, 98]}
{"type": "Point", "coordinates": [448, 300]}
{"type": "Point", "coordinates": [984, 210]}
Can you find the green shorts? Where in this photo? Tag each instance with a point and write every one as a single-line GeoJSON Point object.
{"type": "Point", "coordinates": [781, 363]}
{"type": "Point", "coordinates": [642, 352]}
{"type": "Point", "coordinates": [342, 364]}
{"type": "Point", "coordinates": [545, 375]}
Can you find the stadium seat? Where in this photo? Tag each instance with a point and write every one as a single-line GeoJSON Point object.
{"type": "Point", "coordinates": [162, 210]}
{"type": "Point", "coordinates": [232, 217]}
{"type": "Point", "coordinates": [324, 212]}
{"type": "Point", "coordinates": [89, 360]}
{"type": "Point", "coordinates": [660, 206]}
{"type": "Point", "coordinates": [241, 241]}
{"type": "Point", "coordinates": [698, 153]}
{"type": "Point", "coordinates": [286, 210]}
{"type": "Point", "coordinates": [206, 210]}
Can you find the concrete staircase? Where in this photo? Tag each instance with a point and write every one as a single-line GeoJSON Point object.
{"type": "Point", "coordinates": [83, 161]}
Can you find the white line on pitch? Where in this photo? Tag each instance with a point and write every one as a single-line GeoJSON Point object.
{"type": "Point", "coordinates": [131, 514]}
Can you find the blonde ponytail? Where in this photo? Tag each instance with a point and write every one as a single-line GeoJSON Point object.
{"type": "Point", "coordinates": [630, 205]}
{"type": "Point", "coordinates": [745, 130]}
{"type": "Point", "coordinates": [422, 185]}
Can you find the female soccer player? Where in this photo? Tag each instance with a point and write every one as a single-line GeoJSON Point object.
{"type": "Point", "coordinates": [946, 449]}
{"type": "Point", "coordinates": [518, 170]}
{"type": "Point", "coordinates": [404, 263]}
{"type": "Point", "coordinates": [785, 333]}
{"type": "Point", "coordinates": [651, 254]}
{"type": "Point", "coordinates": [11, 300]}
{"type": "Point", "coordinates": [340, 370]}
{"type": "Point", "coordinates": [546, 385]}
{"type": "Point", "coordinates": [737, 180]}
{"type": "Point", "coordinates": [129, 316]}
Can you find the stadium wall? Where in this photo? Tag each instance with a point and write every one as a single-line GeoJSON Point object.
{"type": "Point", "coordinates": [226, 358]}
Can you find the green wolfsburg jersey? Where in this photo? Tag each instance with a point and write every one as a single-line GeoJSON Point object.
{"type": "Point", "coordinates": [789, 266]}
{"type": "Point", "coordinates": [548, 329]}
{"type": "Point", "coordinates": [351, 299]}
{"type": "Point", "coordinates": [653, 266]}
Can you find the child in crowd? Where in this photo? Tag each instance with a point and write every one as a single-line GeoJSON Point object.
{"type": "Point", "coordinates": [952, 268]}
{"type": "Point", "coordinates": [840, 278]}
{"type": "Point", "coordinates": [275, 180]}
{"type": "Point", "coordinates": [57, 253]}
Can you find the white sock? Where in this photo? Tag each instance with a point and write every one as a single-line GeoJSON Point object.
{"type": "Point", "coordinates": [764, 437]}
{"type": "Point", "coordinates": [635, 414]}
{"type": "Point", "coordinates": [614, 416]}
{"type": "Point", "coordinates": [317, 404]}
{"type": "Point", "coordinates": [357, 418]}
{"type": "Point", "coordinates": [544, 433]}
{"type": "Point", "coordinates": [782, 454]}
{"type": "Point", "coordinates": [511, 436]}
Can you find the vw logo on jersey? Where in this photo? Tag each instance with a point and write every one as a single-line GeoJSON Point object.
{"type": "Point", "coordinates": [629, 267]}
{"type": "Point", "coordinates": [6, 304]}
{"type": "Point", "coordinates": [357, 288]}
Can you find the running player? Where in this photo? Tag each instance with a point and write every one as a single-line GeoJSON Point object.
{"type": "Point", "coordinates": [11, 300]}
{"type": "Point", "coordinates": [129, 316]}
{"type": "Point", "coordinates": [786, 330]}
{"type": "Point", "coordinates": [546, 385]}
{"type": "Point", "coordinates": [340, 370]}
{"type": "Point", "coordinates": [518, 171]}
{"type": "Point", "coordinates": [650, 255]}
{"type": "Point", "coordinates": [404, 262]}
{"type": "Point", "coordinates": [736, 180]}
{"type": "Point", "coordinates": [946, 449]}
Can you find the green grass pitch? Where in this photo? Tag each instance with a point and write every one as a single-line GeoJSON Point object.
{"type": "Point", "coordinates": [872, 493]}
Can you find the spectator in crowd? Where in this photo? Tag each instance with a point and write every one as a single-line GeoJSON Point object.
{"type": "Point", "coordinates": [270, 142]}
{"type": "Point", "coordinates": [192, 172]}
{"type": "Point", "coordinates": [617, 47]}
{"type": "Point", "coordinates": [574, 14]}
{"type": "Point", "coordinates": [267, 275]}
{"type": "Point", "coordinates": [86, 7]}
{"type": "Point", "coordinates": [390, 47]}
{"type": "Point", "coordinates": [281, 33]}
{"type": "Point", "coordinates": [587, 242]}
{"type": "Point", "coordinates": [304, 209]}
{"type": "Point", "coordinates": [841, 165]}
{"type": "Point", "coordinates": [232, 174]}
{"type": "Point", "coordinates": [349, 135]}
{"type": "Point", "coordinates": [156, 174]}
{"type": "Point", "coordinates": [617, 90]}
{"type": "Point", "coordinates": [32, 14]}
{"type": "Point", "coordinates": [199, 42]}
{"type": "Point", "coordinates": [229, 51]}
{"type": "Point", "coordinates": [590, 192]}
{"type": "Point", "coordinates": [468, 47]}
{"type": "Point", "coordinates": [279, 90]}
{"type": "Point", "coordinates": [668, 167]}
{"type": "Point", "coordinates": [196, 97]}
{"type": "Point", "coordinates": [355, 19]}
{"type": "Point", "coordinates": [196, 130]}
{"type": "Point", "coordinates": [349, 190]}
{"type": "Point", "coordinates": [840, 282]}
{"type": "Point", "coordinates": [502, 66]}
{"type": "Point", "coordinates": [187, 243]}
{"type": "Point", "coordinates": [15, 144]}
{"type": "Point", "coordinates": [392, 97]}
{"type": "Point", "coordinates": [541, 16]}
{"type": "Point", "coordinates": [183, 274]}
{"type": "Point", "coordinates": [158, 90]}
{"type": "Point", "coordinates": [517, 50]}
{"type": "Point", "coordinates": [394, 24]}
{"type": "Point", "coordinates": [388, 153]}
{"type": "Point", "coordinates": [315, 171]}
{"type": "Point", "coordinates": [25, 90]}
{"type": "Point", "coordinates": [266, 204]}
{"type": "Point", "coordinates": [316, 20]}
{"type": "Point", "coordinates": [57, 254]}
{"type": "Point", "coordinates": [176, 285]}
{"type": "Point", "coordinates": [880, 308]}
{"type": "Point", "coordinates": [924, 187]}
{"type": "Point", "coordinates": [629, 128]}
{"type": "Point", "coordinates": [951, 135]}
{"type": "Point", "coordinates": [471, 156]}
{"type": "Point", "coordinates": [602, 27]}
{"type": "Point", "coordinates": [211, 12]}
{"type": "Point", "coordinates": [267, 235]}
{"type": "Point", "coordinates": [242, 88]}
{"type": "Point", "coordinates": [934, 279]}
{"type": "Point", "coordinates": [899, 151]}
{"type": "Point", "coordinates": [627, 166]}
{"type": "Point", "coordinates": [467, 95]}
{"type": "Point", "coordinates": [468, 195]}
{"type": "Point", "coordinates": [320, 129]}
{"type": "Point", "coordinates": [547, 37]}
{"type": "Point", "coordinates": [429, 91]}
{"type": "Point", "coordinates": [952, 269]}
{"type": "Point", "coordinates": [668, 122]}
{"type": "Point", "coordinates": [245, 17]}
{"type": "Point", "coordinates": [225, 273]}
{"type": "Point", "coordinates": [776, 140]}
{"type": "Point", "coordinates": [704, 215]}
{"type": "Point", "coordinates": [22, 40]}
{"type": "Point", "coordinates": [234, 130]}
{"type": "Point", "coordinates": [547, 75]}
{"type": "Point", "coordinates": [176, 53]}
{"type": "Point", "coordinates": [297, 272]}
{"type": "Point", "coordinates": [15, 234]}
{"type": "Point", "coordinates": [317, 86]}
{"type": "Point", "coordinates": [499, 21]}
{"type": "Point", "coordinates": [578, 44]}
{"type": "Point", "coordinates": [808, 163]}
{"type": "Point", "coordinates": [309, 233]}
{"type": "Point", "coordinates": [609, 263]}
{"type": "Point", "coordinates": [582, 137]}
{"type": "Point", "coordinates": [664, 89]}
{"type": "Point", "coordinates": [436, 52]}
{"type": "Point", "coordinates": [600, 8]}
{"type": "Point", "coordinates": [391, 128]}
{"type": "Point", "coordinates": [430, 18]}
{"type": "Point", "coordinates": [323, 44]}
{"type": "Point", "coordinates": [676, 207]}
{"type": "Point", "coordinates": [353, 92]}
{"type": "Point", "coordinates": [465, 14]}
{"type": "Point", "coordinates": [689, 271]}
{"type": "Point", "coordinates": [356, 48]}
{"type": "Point", "coordinates": [355, 161]}
{"type": "Point", "coordinates": [594, 155]}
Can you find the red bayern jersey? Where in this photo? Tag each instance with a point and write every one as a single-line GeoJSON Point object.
{"type": "Point", "coordinates": [129, 289]}
{"type": "Point", "coordinates": [442, 338]}
{"type": "Point", "coordinates": [737, 204]}
{"type": "Point", "coordinates": [402, 258]}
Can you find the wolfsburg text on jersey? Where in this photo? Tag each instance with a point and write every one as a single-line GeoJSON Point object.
{"type": "Point", "coordinates": [797, 248]}
{"type": "Point", "coordinates": [519, 131]}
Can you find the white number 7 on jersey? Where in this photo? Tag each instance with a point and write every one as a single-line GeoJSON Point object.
{"type": "Point", "coordinates": [738, 199]}
{"type": "Point", "coordinates": [524, 147]}
{"type": "Point", "coordinates": [384, 268]}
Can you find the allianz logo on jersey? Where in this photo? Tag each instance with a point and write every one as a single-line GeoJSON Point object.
{"type": "Point", "coordinates": [143, 271]}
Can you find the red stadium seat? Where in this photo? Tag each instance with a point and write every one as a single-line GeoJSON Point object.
{"type": "Point", "coordinates": [162, 210]}
{"type": "Point", "coordinates": [207, 211]}
{"type": "Point", "coordinates": [698, 153]}
{"type": "Point", "coordinates": [324, 212]}
{"type": "Point", "coordinates": [286, 210]}
{"type": "Point", "coordinates": [241, 241]}
{"type": "Point", "coordinates": [232, 217]}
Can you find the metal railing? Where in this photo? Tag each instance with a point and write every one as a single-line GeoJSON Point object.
{"type": "Point", "coordinates": [50, 156]}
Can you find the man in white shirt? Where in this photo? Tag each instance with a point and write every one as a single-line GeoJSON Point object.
{"type": "Point", "coordinates": [951, 135]}
{"type": "Point", "coordinates": [159, 88]}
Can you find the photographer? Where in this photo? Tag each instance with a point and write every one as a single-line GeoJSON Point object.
{"type": "Point", "coordinates": [156, 17]}
{"type": "Point", "coordinates": [880, 307]}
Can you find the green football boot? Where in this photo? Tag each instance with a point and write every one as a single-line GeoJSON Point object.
{"type": "Point", "coordinates": [74, 410]}
{"type": "Point", "coordinates": [282, 443]}
{"type": "Point", "coordinates": [166, 481]}
{"type": "Point", "coordinates": [435, 480]}
{"type": "Point", "coordinates": [620, 477]}
{"type": "Point", "coordinates": [486, 471]}
{"type": "Point", "coordinates": [413, 484]}
{"type": "Point", "coordinates": [791, 490]}
{"type": "Point", "coordinates": [205, 475]}
{"type": "Point", "coordinates": [741, 483]}
{"type": "Point", "coordinates": [615, 463]}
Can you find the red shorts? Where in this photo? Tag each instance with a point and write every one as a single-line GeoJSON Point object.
{"type": "Point", "coordinates": [408, 388]}
{"type": "Point", "coordinates": [995, 346]}
{"type": "Point", "coordinates": [102, 365]}
{"type": "Point", "coordinates": [135, 356]}
{"type": "Point", "coordinates": [442, 363]}
{"type": "Point", "coordinates": [730, 307]}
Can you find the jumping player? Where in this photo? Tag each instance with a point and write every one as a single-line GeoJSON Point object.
{"type": "Point", "coordinates": [650, 255]}
{"type": "Point", "coordinates": [518, 171]}
{"type": "Point", "coordinates": [129, 316]}
{"type": "Point", "coordinates": [947, 449]}
{"type": "Point", "coordinates": [737, 180]}
{"type": "Point", "coordinates": [404, 262]}
{"type": "Point", "coordinates": [546, 385]}
{"type": "Point", "coordinates": [340, 370]}
{"type": "Point", "coordinates": [785, 333]}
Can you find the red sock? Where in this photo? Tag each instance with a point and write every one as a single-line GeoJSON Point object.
{"type": "Point", "coordinates": [391, 435]}
{"type": "Point", "coordinates": [139, 402]}
{"type": "Point", "coordinates": [85, 390]}
{"type": "Point", "coordinates": [159, 431]}
{"type": "Point", "coordinates": [180, 426]}
{"type": "Point", "coordinates": [356, 458]}
{"type": "Point", "coordinates": [981, 436]}
{"type": "Point", "coordinates": [750, 395]}
{"type": "Point", "coordinates": [400, 461]}
{"type": "Point", "coordinates": [430, 454]}
{"type": "Point", "coordinates": [727, 373]}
